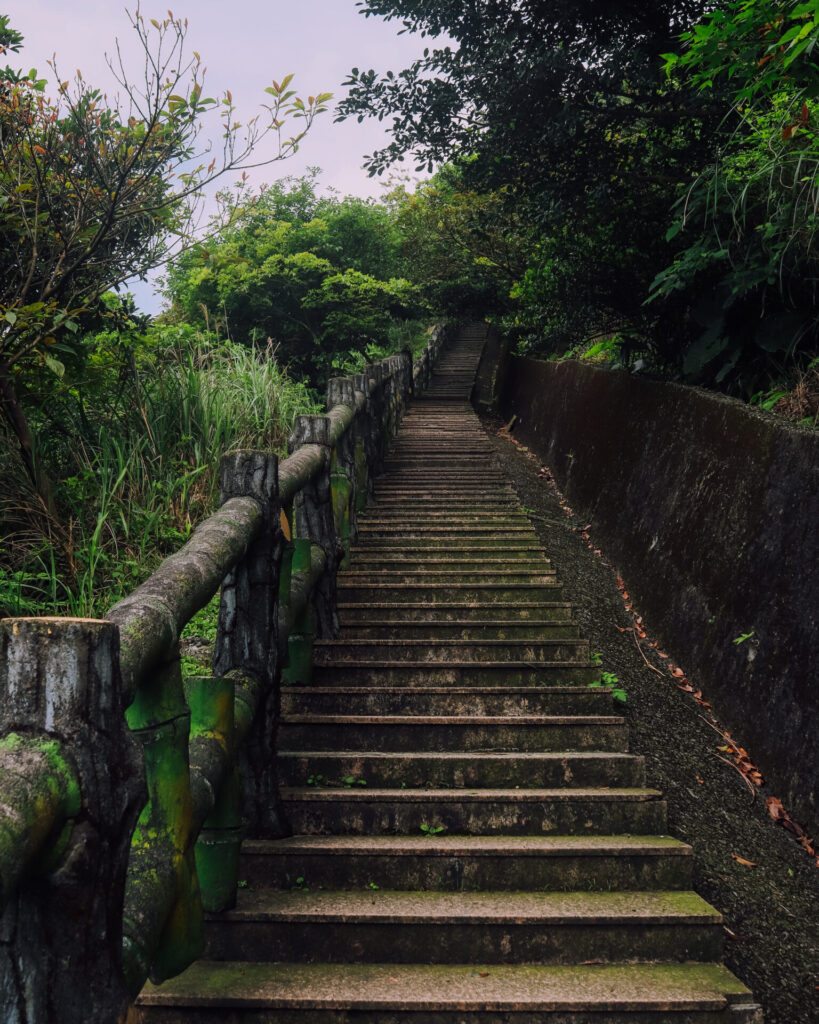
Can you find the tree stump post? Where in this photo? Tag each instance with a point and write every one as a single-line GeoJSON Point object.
{"type": "Point", "coordinates": [248, 634]}
{"type": "Point", "coordinates": [61, 931]}
{"type": "Point", "coordinates": [375, 423]}
{"type": "Point", "coordinates": [343, 475]}
{"type": "Point", "coordinates": [313, 516]}
{"type": "Point", "coordinates": [364, 453]}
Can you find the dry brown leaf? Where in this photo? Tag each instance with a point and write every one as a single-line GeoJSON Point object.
{"type": "Point", "coordinates": [742, 860]}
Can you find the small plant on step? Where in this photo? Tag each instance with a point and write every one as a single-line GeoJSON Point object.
{"type": "Point", "coordinates": [373, 886]}
{"type": "Point", "coordinates": [315, 780]}
{"type": "Point", "coordinates": [596, 659]}
{"type": "Point", "coordinates": [431, 830]}
{"type": "Point", "coordinates": [610, 679]}
{"type": "Point", "coordinates": [351, 781]}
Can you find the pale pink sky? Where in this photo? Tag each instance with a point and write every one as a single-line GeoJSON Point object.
{"type": "Point", "coordinates": [244, 44]}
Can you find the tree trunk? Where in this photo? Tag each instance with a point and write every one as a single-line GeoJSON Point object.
{"type": "Point", "coordinates": [16, 418]}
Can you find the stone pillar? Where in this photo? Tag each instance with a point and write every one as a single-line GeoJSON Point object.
{"type": "Point", "coordinates": [61, 929]}
{"type": "Point", "coordinates": [248, 636]}
{"type": "Point", "coordinates": [313, 516]}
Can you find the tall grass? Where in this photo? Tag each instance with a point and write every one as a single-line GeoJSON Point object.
{"type": "Point", "coordinates": [137, 471]}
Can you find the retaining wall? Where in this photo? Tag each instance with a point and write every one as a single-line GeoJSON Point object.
{"type": "Point", "coordinates": [710, 509]}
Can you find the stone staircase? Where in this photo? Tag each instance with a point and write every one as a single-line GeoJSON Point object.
{"type": "Point", "coordinates": [472, 840]}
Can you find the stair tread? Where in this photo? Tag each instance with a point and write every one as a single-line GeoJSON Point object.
{"type": "Point", "coordinates": [529, 757]}
{"type": "Point", "coordinates": [436, 908]}
{"type": "Point", "coordinates": [445, 691]}
{"type": "Point", "coordinates": [595, 794]}
{"type": "Point", "coordinates": [474, 846]}
{"type": "Point", "coordinates": [424, 987]}
{"type": "Point", "coordinates": [464, 720]}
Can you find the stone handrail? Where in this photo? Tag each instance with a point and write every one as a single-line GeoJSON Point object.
{"type": "Point", "coordinates": [125, 789]}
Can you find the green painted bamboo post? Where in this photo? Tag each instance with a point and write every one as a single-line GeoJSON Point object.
{"type": "Point", "coordinates": [302, 633]}
{"type": "Point", "coordinates": [247, 638]}
{"type": "Point", "coordinates": [214, 756]}
{"type": "Point", "coordinates": [60, 693]}
{"type": "Point", "coordinates": [163, 920]}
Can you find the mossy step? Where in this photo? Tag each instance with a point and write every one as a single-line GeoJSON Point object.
{"type": "Point", "coordinates": [437, 561]}
{"type": "Point", "coordinates": [450, 994]}
{"type": "Point", "coordinates": [425, 517]}
{"type": "Point", "coordinates": [457, 733]}
{"type": "Point", "coordinates": [409, 611]}
{"type": "Point", "coordinates": [484, 769]}
{"type": "Point", "coordinates": [443, 593]}
{"type": "Point", "coordinates": [425, 541]}
{"type": "Point", "coordinates": [446, 700]}
{"type": "Point", "coordinates": [422, 649]}
{"type": "Point", "coordinates": [509, 577]}
{"type": "Point", "coordinates": [449, 673]}
{"type": "Point", "coordinates": [373, 811]}
{"type": "Point", "coordinates": [469, 863]}
{"type": "Point", "coordinates": [522, 631]}
{"type": "Point", "coordinates": [465, 927]}
{"type": "Point", "coordinates": [474, 534]}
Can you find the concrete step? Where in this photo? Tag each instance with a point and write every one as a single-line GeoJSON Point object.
{"type": "Point", "coordinates": [517, 812]}
{"type": "Point", "coordinates": [428, 650]}
{"type": "Point", "coordinates": [261, 993]}
{"type": "Point", "coordinates": [459, 770]}
{"type": "Point", "coordinates": [350, 590]}
{"type": "Point", "coordinates": [424, 519]}
{"type": "Point", "coordinates": [518, 612]}
{"type": "Point", "coordinates": [430, 541]}
{"type": "Point", "coordinates": [509, 577]}
{"type": "Point", "coordinates": [463, 630]}
{"type": "Point", "coordinates": [469, 863]}
{"type": "Point", "coordinates": [447, 700]}
{"type": "Point", "coordinates": [448, 673]}
{"type": "Point", "coordinates": [454, 562]}
{"type": "Point", "coordinates": [459, 732]}
{"type": "Point", "coordinates": [377, 926]}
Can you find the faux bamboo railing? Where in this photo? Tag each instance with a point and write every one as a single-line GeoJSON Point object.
{"type": "Point", "coordinates": [125, 789]}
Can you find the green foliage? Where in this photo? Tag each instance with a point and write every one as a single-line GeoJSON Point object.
{"type": "Point", "coordinates": [563, 109]}
{"type": "Point", "coordinates": [464, 248]}
{"type": "Point", "coordinates": [94, 191]}
{"type": "Point", "coordinates": [318, 275]}
{"type": "Point", "coordinates": [748, 222]}
{"type": "Point", "coordinates": [133, 438]}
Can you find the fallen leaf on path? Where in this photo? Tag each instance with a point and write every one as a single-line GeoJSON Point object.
{"type": "Point", "coordinates": [741, 860]}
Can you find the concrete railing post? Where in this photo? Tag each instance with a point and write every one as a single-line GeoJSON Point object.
{"type": "Point", "coordinates": [247, 639]}
{"type": "Point", "coordinates": [343, 476]}
{"type": "Point", "coordinates": [60, 692]}
{"type": "Point", "coordinates": [313, 520]}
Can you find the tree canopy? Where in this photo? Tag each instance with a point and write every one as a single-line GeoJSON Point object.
{"type": "Point", "coordinates": [93, 192]}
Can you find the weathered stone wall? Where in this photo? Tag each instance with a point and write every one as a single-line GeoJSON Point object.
{"type": "Point", "coordinates": [710, 510]}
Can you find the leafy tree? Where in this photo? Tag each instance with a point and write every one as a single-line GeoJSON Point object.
{"type": "Point", "coordinates": [565, 105]}
{"type": "Point", "coordinates": [92, 193]}
{"type": "Point", "coordinates": [748, 223]}
{"type": "Point", "coordinates": [465, 248]}
{"type": "Point", "coordinates": [317, 274]}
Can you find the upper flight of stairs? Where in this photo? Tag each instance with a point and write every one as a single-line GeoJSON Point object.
{"type": "Point", "coordinates": [454, 698]}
